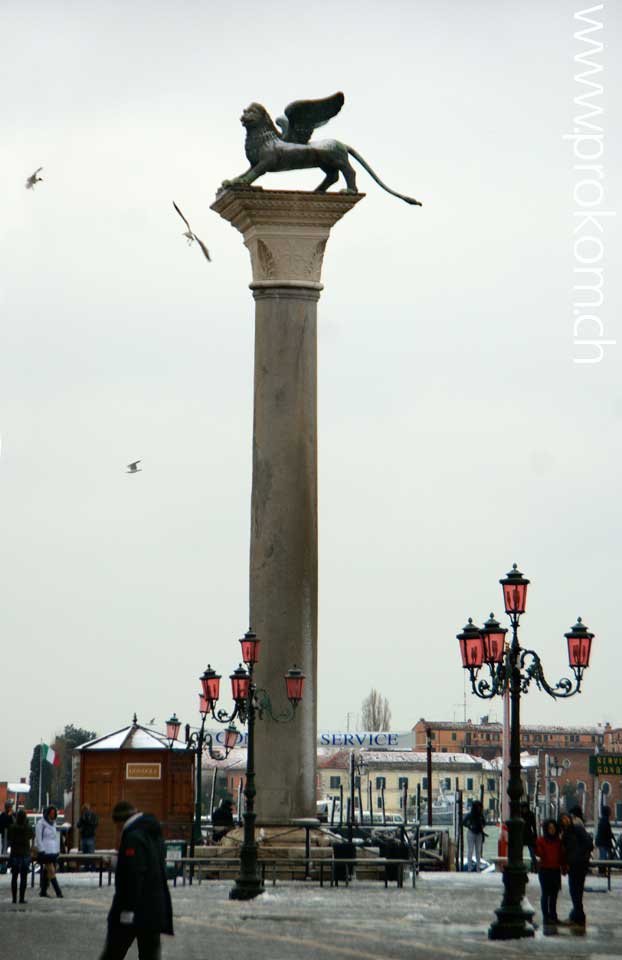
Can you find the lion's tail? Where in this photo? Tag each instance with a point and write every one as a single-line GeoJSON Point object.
{"type": "Point", "coordinates": [364, 164]}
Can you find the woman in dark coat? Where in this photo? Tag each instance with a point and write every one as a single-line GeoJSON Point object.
{"type": "Point", "coordinates": [20, 841]}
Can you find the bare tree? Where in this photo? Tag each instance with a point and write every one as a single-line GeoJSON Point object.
{"type": "Point", "coordinates": [375, 712]}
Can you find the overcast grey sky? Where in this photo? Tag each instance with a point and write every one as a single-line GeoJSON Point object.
{"type": "Point", "coordinates": [456, 434]}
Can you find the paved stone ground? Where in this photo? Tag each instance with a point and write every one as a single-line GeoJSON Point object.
{"type": "Point", "coordinates": [445, 918]}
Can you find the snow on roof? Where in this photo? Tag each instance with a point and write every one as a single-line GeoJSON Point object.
{"type": "Point", "coordinates": [235, 760]}
{"type": "Point", "coordinates": [527, 760]}
{"type": "Point", "coordinates": [339, 759]}
{"type": "Point", "coordinates": [134, 737]}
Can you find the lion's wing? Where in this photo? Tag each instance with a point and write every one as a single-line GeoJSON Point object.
{"type": "Point", "coordinates": [305, 115]}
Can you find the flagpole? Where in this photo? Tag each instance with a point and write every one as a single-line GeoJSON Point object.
{"type": "Point", "coordinates": [40, 765]}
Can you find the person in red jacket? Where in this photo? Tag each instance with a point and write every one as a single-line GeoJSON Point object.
{"type": "Point", "coordinates": [551, 862]}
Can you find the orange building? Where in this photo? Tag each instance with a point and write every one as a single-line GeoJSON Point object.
{"type": "Point", "coordinates": [568, 750]}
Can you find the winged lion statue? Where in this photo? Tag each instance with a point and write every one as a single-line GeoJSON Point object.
{"type": "Point", "coordinates": [271, 151]}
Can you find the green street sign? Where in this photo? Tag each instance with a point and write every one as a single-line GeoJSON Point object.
{"type": "Point", "coordinates": [602, 766]}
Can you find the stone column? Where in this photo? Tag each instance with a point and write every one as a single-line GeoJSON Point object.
{"type": "Point", "coordinates": [286, 233]}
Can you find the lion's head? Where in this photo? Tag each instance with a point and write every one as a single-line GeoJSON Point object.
{"type": "Point", "coordinates": [256, 115]}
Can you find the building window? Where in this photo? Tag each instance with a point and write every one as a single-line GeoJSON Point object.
{"type": "Point", "coordinates": [491, 785]}
{"type": "Point", "coordinates": [605, 788]}
{"type": "Point", "coordinates": [618, 811]}
{"type": "Point", "coordinates": [443, 749]}
{"type": "Point", "coordinates": [454, 736]}
{"type": "Point", "coordinates": [379, 802]}
{"type": "Point", "coordinates": [447, 783]}
{"type": "Point", "coordinates": [491, 803]}
{"type": "Point", "coordinates": [357, 782]}
{"type": "Point", "coordinates": [381, 782]}
{"type": "Point", "coordinates": [469, 785]}
{"type": "Point", "coordinates": [335, 783]}
{"type": "Point", "coordinates": [402, 782]}
{"type": "Point", "coordinates": [424, 783]}
{"type": "Point", "coordinates": [432, 735]}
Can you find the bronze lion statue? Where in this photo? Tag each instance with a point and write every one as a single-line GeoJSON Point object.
{"type": "Point", "coordinates": [271, 151]}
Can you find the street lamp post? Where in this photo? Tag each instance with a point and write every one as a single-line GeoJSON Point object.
{"type": "Point", "coordinates": [513, 668]}
{"type": "Point", "coordinates": [198, 741]}
{"type": "Point", "coordinates": [251, 702]}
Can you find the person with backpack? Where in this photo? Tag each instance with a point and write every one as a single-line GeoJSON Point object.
{"type": "Point", "coordinates": [577, 845]}
{"type": "Point", "coordinates": [475, 823]}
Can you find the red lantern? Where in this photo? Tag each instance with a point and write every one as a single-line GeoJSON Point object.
{"type": "Point", "coordinates": [240, 683]}
{"type": "Point", "coordinates": [203, 704]}
{"type": "Point", "coordinates": [231, 737]}
{"type": "Point", "coordinates": [210, 681]}
{"type": "Point", "coordinates": [250, 647]}
{"type": "Point", "coordinates": [579, 645]}
{"type": "Point", "coordinates": [493, 637]}
{"type": "Point", "coordinates": [172, 727]}
{"type": "Point", "coordinates": [294, 682]}
{"type": "Point", "coordinates": [514, 591]}
{"type": "Point", "coordinates": [471, 646]}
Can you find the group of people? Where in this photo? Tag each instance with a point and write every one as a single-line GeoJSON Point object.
{"type": "Point", "coordinates": [563, 848]}
{"type": "Point", "coordinates": [141, 908]}
{"type": "Point", "coordinates": [25, 844]}
{"type": "Point", "coordinates": [43, 844]}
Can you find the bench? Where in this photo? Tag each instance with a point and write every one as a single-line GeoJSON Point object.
{"type": "Point", "coordinates": [297, 868]}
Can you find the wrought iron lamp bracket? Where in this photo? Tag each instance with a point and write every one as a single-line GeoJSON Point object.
{"type": "Point", "coordinates": [263, 704]}
{"type": "Point", "coordinates": [534, 671]}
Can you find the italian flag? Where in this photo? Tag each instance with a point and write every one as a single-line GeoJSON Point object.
{"type": "Point", "coordinates": [50, 755]}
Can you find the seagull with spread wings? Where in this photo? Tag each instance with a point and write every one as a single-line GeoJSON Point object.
{"type": "Point", "coordinates": [190, 235]}
{"type": "Point", "coordinates": [133, 467]}
{"type": "Point", "coordinates": [33, 178]}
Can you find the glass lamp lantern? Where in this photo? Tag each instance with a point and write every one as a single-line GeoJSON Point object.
{"type": "Point", "coordinates": [240, 683]}
{"type": "Point", "coordinates": [172, 727]}
{"type": "Point", "coordinates": [493, 637]}
{"type": "Point", "coordinates": [210, 681]}
{"type": "Point", "coordinates": [231, 737]}
{"type": "Point", "coordinates": [514, 591]}
{"type": "Point", "coordinates": [294, 683]}
{"type": "Point", "coordinates": [471, 646]}
{"type": "Point", "coordinates": [579, 645]}
{"type": "Point", "coordinates": [250, 648]}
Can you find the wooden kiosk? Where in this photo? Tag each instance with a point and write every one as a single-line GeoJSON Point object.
{"type": "Point", "coordinates": [141, 765]}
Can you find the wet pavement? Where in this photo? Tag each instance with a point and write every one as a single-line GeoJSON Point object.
{"type": "Point", "coordinates": [445, 918]}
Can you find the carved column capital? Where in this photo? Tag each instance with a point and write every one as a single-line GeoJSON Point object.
{"type": "Point", "coordinates": [285, 231]}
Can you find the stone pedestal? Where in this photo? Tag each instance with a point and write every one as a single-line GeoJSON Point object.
{"type": "Point", "coordinates": [286, 233]}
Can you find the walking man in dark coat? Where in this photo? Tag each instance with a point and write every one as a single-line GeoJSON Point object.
{"type": "Point", "coordinates": [141, 908]}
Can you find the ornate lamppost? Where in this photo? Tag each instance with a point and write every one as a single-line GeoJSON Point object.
{"type": "Point", "coordinates": [199, 741]}
{"type": "Point", "coordinates": [513, 668]}
{"type": "Point", "coordinates": [251, 702]}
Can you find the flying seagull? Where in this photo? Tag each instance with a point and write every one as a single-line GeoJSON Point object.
{"type": "Point", "coordinates": [133, 467]}
{"type": "Point", "coordinates": [190, 235]}
{"type": "Point", "coordinates": [33, 178]}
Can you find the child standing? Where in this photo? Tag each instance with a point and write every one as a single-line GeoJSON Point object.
{"type": "Point", "coordinates": [550, 858]}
